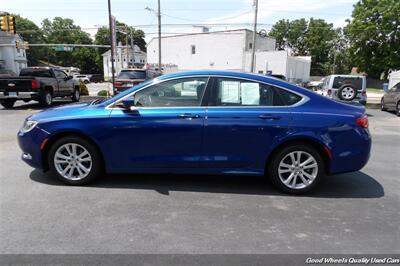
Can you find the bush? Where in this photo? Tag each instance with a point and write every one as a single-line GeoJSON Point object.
{"type": "Point", "coordinates": [82, 86]}
{"type": "Point", "coordinates": [102, 93]}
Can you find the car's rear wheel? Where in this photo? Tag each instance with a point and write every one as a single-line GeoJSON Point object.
{"type": "Point", "coordinates": [7, 103]}
{"type": "Point", "coordinates": [45, 98]}
{"type": "Point", "coordinates": [74, 160]}
{"type": "Point", "coordinates": [383, 108]}
{"type": "Point", "coordinates": [296, 169]}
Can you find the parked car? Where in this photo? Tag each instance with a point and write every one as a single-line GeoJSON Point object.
{"type": "Point", "coordinates": [314, 85]}
{"type": "Point", "coordinates": [40, 84]}
{"type": "Point", "coordinates": [97, 78]}
{"type": "Point", "coordinates": [128, 78]}
{"type": "Point", "coordinates": [391, 99]}
{"type": "Point", "coordinates": [202, 123]}
{"type": "Point", "coordinates": [351, 88]}
{"type": "Point", "coordinates": [84, 78]}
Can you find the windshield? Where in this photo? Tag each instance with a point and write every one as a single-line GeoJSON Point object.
{"type": "Point", "coordinates": [45, 73]}
{"type": "Point", "coordinates": [132, 75]}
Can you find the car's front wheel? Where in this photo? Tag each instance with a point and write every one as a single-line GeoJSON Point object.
{"type": "Point", "coordinates": [296, 169]}
{"type": "Point", "coordinates": [383, 108]}
{"type": "Point", "coordinates": [76, 95]}
{"type": "Point", "coordinates": [74, 160]}
{"type": "Point", "coordinates": [398, 108]}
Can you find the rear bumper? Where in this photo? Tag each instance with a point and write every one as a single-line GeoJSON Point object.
{"type": "Point", "coordinates": [353, 155]}
{"type": "Point", "coordinates": [23, 95]}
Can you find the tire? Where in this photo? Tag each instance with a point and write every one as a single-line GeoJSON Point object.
{"type": "Point", "coordinates": [62, 150]}
{"type": "Point", "coordinates": [45, 98]}
{"type": "Point", "coordinates": [76, 95]}
{"type": "Point", "coordinates": [398, 108]}
{"type": "Point", "coordinates": [383, 108]}
{"type": "Point", "coordinates": [278, 172]}
{"type": "Point", "coordinates": [86, 81]}
{"type": "Point", "coordinates": [347, 92]}
{"type": "Point", "coordinates": [8, 104]}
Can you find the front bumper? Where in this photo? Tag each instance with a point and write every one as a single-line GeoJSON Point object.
{"type": "Point", "coordinates": [23, 95]}
{"type": "Point", "coordinates": [30, 143]}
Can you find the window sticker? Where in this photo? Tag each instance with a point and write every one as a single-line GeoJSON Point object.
{"type": "Point", "coordinates": [230, 91]}
{"type": "Point", "coordinates": [250, 93]}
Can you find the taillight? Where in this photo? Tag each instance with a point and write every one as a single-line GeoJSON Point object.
{"type": "Point", "coordinates": [362, 121]}
{"type": "Point", "coordinates": [118, 84]}
{"type": "Point", "coordinates": [364, 93]}
{"type": "Point", "coordinates": [35, 84]}
{"type": "Point", "coordinates": [329, 92]}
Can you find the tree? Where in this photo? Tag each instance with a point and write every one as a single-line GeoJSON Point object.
{"type": "Point", "coordinates": [315, 38]}
{"type": "Point", "coordinates": [103, 36]}
{"type": "Point", "coordinates": [296, 36]}
{"type": "Point", "coordinates": [31, 33]}
{"type": "Point", "coordinates": [319, 40]}
{"type": "Point", "coordinates": [62, 30]}
{"type": "Point", "coordinates": [374, 34]}
{"type": "Point", "coordinates": [280, 32]}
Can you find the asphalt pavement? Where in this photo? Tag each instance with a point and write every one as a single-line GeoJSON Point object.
{"type": "Point", "coordinates": [349, 213]}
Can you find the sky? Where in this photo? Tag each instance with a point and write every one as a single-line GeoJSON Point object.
{"type": "Point", "coordinates": [233, 14]}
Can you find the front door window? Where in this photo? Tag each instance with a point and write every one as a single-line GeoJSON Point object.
{"type": "Point", "coordinates": [186, 92]}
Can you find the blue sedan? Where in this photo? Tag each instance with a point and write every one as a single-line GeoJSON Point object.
{"type": "Point", "coordinates": [210, 122]}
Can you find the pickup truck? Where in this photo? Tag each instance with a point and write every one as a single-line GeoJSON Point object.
{"type": "Point", "coordinates": [40, 84]}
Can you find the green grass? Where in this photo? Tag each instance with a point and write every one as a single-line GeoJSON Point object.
{"type": "Point", "coordinates": [374, 90]}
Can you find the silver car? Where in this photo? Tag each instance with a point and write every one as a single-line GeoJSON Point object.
{"type": "Point", "coordinates": [350, 88]}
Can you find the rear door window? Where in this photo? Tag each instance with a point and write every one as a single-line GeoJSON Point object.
{"type": "Point", "coordinates": [132, 75]}
{"type": "Point", "coordinates": [44, 73]}
{"type": "Point", "coordinates": [236, 92]}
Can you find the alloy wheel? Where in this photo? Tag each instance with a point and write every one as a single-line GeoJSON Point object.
{"type": "Point", "coordinates": [72, 161]}
{"type": "Point", "coordinates": [347, 93]}
{"type": "Point", "coordinates": [298, 169]}
{"type": "Point", "coordinates": [48, 99]}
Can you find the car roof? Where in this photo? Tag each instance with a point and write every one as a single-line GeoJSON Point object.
{"type": "Point", "coordinates": [348, 76]}
{"type": "Point", "coordinates": [233, 74]}
{"type": "Point", "coordinates": [132, 69]}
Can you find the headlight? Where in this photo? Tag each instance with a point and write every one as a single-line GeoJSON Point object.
{"type": "Point", "coordinates": [28, 125]}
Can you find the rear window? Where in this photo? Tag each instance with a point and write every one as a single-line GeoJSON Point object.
{"type": "Point", "coordinates": [132, 75]}
{"type": "Point", "coordinates": [356, 82]}
{"type": "Point", "coordinates": [44, 73]}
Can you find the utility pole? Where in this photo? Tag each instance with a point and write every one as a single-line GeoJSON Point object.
{"type": "Point", "coordinates": [111, 23]}
{"type": "Point", "coordinates": [159, 36]}
{"type": "Point", "coordinates": [133, 50]}
{"type": "Point", "coordinates": [255, 4]}
{"type": "Point", "coordinates": [158, 13]}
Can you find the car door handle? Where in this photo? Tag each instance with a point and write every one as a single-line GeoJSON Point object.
{"type": "Point", "coordinates": [188, 116]}
{"type": "Point", "coordinates": [269, 117]}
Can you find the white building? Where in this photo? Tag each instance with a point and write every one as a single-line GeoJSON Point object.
{"type": "Point", "coordinates": [125, 58]}
{"type": "Point", "coordinates": [226, 50]}
{"type": "Point", "coordinates": [294, 68]}
{"type": "Point", "coordinates": [12, 59]}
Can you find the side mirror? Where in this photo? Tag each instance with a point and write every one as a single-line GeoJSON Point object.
{"type": "Point", "coordinates": [127, 104]}
{"type": "Point", "coordinates": [68, 78]}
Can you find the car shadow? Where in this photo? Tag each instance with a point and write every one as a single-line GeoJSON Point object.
{"type": "Point", "coordinates": [350, 185]}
